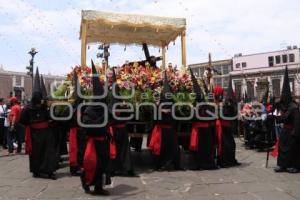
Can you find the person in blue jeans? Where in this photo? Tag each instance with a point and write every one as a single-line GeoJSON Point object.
{"type": "Point", "coordinates": [14, 126]}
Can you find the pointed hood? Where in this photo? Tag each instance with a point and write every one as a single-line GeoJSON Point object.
{"type": "Point", "coordinates": [36, 96]}
{"type": "Point", "coordinates": [196, 87]}
{"type": "Point", "coordinates": [165, 95]}
{"type": "Point", "coordinates": [97, 86]}
{"type": "Point", "coordinates": [43, 88]}
{"type": "Point", "coordinates": [286, 95]}
{"type": "Point", "coordinates": [37, 82]}
{"type": "Point", "coordinates": [230, 96]}
{"type": "Point", "coordinates": [75, 96]}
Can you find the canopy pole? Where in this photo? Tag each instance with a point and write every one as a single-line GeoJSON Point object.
{"type": "Point", "coordinates": [83, 44]}
{"type": "Point", "coordinates": [183, 50]}
{"type": "Point", "coordinates": [163, 48]}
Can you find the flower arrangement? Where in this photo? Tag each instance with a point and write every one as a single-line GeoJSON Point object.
{"type": "Point", "coordinates": [146, 81]}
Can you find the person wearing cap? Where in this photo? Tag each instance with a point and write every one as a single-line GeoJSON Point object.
{"type": "Point", "coordinates": [13, 119]}
{"type": "Point", "coordinates": [164, 140]}
{"type": "Point", "coordinates": [39, 138]}
{"type": "Point", "coordinates": [97, 152]}
{"type": "Point", "coordinates": [288, 159]}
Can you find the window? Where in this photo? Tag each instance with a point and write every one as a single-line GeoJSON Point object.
{"type": "Point", "coordinates": [18, 81]}
{"type": "Point", "coordinates": [292, 85]}
{"type": "Point", "coordinates": [218, 69]}
{"type": "Point", "coordinates": [244, 64]}
{"type": "Point", "coordinates": [237, 65]}
{"type": "Point", "coordinates": [250, 89]}
{"type": "Point", "coordinates": [292, 57]}
{"type": "Point", "coordinates": [225, 82]}
{"type": "Point", "coordinates": [284, 58]}
{"type": "Point", "coordinates": [278, 59]}
{"type": "Point", "coordinates": [201, 71]}
{"type": "Point", "coordinates": [218, 81]}
{"type": "Point", "coordinates": [196, 71]}
{"type": "Point", "coordinates": [225, 69]}
{"type": "Point", "coordinates": [276, 87]}
{"type": "Point", "coordinates": [238, 87]}
{"type": "Point", "coordinates": [271, 61]}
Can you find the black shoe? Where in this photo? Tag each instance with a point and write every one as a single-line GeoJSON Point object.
{"type": "Point", "coordinates": [101, 192]}
{"type": "Point", "coordinates": [195, 168]}
{"type": "Point", "coordinates": [280, 169]}
{"type": "Point", "coordinates": [179, 168]}
{"type": "Point", "coordinates": [52, 176]}
{"type": "Point", "coordinates": [35, 175]}
{"type": "Point", "coordinates": [292, 170]}
{"type": "Point", "coordinates": [85, 187]}
{"type": "Point", "coordinates": [131, 173]}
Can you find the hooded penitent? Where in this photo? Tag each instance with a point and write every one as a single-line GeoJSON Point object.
{"type": "Point", "coordinates": [286, 95]}
{"type": "Point", "coordinates": [196, 87]}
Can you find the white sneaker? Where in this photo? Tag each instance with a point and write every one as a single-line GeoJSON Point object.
{"type": "Point", "coordinates": [15, 145]}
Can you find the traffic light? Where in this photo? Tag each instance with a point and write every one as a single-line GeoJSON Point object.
{"type": "Point", "coordinates": [30, 70]}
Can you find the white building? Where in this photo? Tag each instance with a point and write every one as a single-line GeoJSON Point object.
{"type": "Point", "coordinates": [252, 73]}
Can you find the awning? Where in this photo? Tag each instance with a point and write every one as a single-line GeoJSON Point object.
{"type": "Point", "coordinates": [116, 28]}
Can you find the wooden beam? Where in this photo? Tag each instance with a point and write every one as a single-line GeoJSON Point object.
{"type": "Point", "coordinates": [83, 43]}
{"type": "Point", "coordinates": [163, 52]}
{"type": "Point", "coordinates": [183, 50]}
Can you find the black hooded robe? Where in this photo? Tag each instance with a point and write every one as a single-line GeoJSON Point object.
{"type": "Point", "coordinates": [42, 154]}
{"type": "Point", "coordinates": [123, 161]}
{"type": "Point", "coordinates": [289, 141]}
{"type": "Point", "coordinates": [226, 156]}
{"type": "Point", "coordinates": [168, 151]}
{"type": "Point", "coordinates": [96, 156]}
{"type": "Point", "coordinates": [204, 135]}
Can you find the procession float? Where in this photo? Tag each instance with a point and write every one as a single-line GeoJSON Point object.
{"type": "Point", "coordinates": [144, 76]}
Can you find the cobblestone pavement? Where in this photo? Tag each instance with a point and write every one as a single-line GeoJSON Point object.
{"type": "Point", "coordinates": [249, 181]}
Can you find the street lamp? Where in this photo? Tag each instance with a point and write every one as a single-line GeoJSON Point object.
{"type": "Point", "coordinates": [30, 68]}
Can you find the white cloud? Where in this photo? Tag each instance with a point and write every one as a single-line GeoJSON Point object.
{"type": "Point", "coordinates": [220, 27]}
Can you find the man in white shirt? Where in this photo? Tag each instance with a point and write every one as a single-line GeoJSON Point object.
{"type": "Point", "coordinates": [3, 114]}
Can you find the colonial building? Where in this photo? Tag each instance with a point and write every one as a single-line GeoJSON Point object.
{"type": "Point", "coordinates": [253, 73]}
{"type": "Point", "coordinates": [222, 68]}
{"type": "Point", "coordinates": [19, 84]}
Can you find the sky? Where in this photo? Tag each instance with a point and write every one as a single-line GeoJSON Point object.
{"type": "Point", "coordinates": [222, 27]}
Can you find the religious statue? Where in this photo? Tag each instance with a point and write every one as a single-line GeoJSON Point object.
{"type": "Point", "coordinates": [208, 75]}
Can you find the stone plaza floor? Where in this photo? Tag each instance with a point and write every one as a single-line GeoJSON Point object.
{"type": "Point", "coordinates": [250, 181]}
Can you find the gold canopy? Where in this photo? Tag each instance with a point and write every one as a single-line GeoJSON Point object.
{"type": "Point", "coordinates": [116, 28]}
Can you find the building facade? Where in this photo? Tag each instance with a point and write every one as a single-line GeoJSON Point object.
{"type": "Point", "coordinates": [19, 84]}
{"type": "Point", "coordinates": [222, 69]}
{"type": "Point", "coordinates": [252, 74]}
